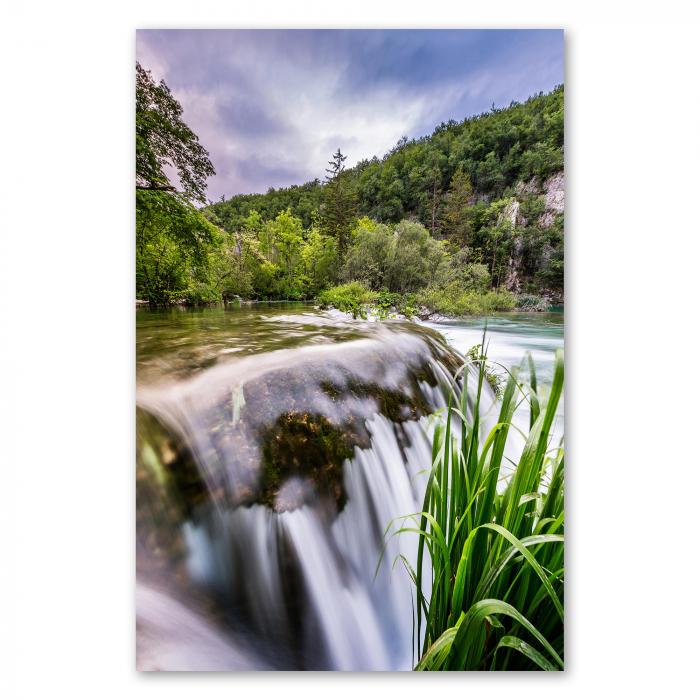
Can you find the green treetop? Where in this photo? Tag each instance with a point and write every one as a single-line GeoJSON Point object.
{"type": "Point", "coordinates": [164, 140]}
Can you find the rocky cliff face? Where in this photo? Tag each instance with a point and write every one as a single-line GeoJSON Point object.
{"type": "Point", "coordinates": [553, 199]}
{"type": "Point", "coordinates": [551, 193]}
{"type": "Point", "coordinates": [511, 213]}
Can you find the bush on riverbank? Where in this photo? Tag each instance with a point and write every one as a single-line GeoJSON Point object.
{"type": "Point", "coordinates": [454, 300]}
{"type": "Point", "coordinates": [532, 302]}
{"type": "Point", "coordinates": [359, 300]}
{"type": "Point", "coordinates": [450, 300]}
{"type": "Point", "coordinates": [495, 596]}
{"type": "Point", "coordinates": [392, 302]}
{"type": "Point", "coordinates": [354, 297]}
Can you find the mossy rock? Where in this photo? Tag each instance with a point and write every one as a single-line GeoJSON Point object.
{"type": "Point", "coordinates": [308, 450]}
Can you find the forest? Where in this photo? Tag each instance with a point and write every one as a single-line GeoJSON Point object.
{"type": "Point", "coordinates": [454, 222]}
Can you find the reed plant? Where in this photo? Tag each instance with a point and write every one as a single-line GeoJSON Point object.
{"type": "Point", "coordinates": [489, 575]}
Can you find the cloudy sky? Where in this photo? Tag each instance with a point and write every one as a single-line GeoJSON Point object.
{"type": "Point", "coordinates": [271, 106]}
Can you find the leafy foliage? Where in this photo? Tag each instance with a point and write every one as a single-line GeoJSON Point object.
{"type": "Point", "coordinates": [173, 239]}
{"type": "Point", "coordinates": [456, 222]}
{"type": "Point", "coordinates": [354, 297]}
{"type": "Point", "coordinates": [532, 302]}
{"type": "Point", "coordinates": [402, 259]}
{"type": "Point", "coordinates": [172, 246]}
{"type": "Point", "coordinates": [415, 259]}
{"type": "Point", "coordinates": [338, 210]}
{"type": "Point", "coordinates": [494, 598]}
{"type": "Point", "coordinates": [163, 140]}
{"type": "Point", "coordinates": [453, 299]}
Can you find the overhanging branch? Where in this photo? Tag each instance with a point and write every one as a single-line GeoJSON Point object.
{"type": "Point", "coordinates": [161, 188]}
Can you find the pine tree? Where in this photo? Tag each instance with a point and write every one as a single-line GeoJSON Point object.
{"type": "Point", "coordinates": [339, 203]}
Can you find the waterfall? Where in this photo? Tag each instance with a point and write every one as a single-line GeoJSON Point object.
{"type": "Point", "coordinates": [265, 489]}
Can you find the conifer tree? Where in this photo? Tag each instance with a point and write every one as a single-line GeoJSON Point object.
{"type": "Point", "coordinates": [339, 203]}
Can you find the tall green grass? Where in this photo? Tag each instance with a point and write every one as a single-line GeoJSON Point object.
{"type": "Point", "coordinates": [491, 596]}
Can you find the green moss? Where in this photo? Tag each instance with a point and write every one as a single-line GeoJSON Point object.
{"type": "Point", "coordinates": [168, 488]}
{"type": "Point", "coordinates": [304, 445]}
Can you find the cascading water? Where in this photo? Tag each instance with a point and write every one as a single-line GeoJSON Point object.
{"type": "Point", "coordinates": [265, 486]}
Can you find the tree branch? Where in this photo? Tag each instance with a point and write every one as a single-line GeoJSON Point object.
{"type": "Point", "coordinates": [162, 188]}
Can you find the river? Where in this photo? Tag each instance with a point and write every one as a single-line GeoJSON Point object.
{"type": "Point", "coordinates": [275, 444]}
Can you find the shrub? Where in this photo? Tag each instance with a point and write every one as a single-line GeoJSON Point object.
{"type": "Point", "coordinates": [532, 302]}
{"type": "Point", "coordinates": [474, 277]}
{"type": "Point", "coordinates": [415, 259]}
{"type": "Point", "coordinates": [454, 300]}
{"type": "Point", "coordinates": [388, 302]}
{"type": "Point", "coordinates": [354, 297]}
{"type": "Point", "coordinates": [498, 300]}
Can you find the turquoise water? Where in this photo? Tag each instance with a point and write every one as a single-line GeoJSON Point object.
{"type": "Point", "coordinates": [509, 337]}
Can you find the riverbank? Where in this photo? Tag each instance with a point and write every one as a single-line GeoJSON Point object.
{"type": "Point", "coordinates": [433, 303]}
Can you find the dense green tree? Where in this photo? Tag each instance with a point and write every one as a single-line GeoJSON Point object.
{"type": "Point", "coordinates": [456, 222]}
{"type": "Point", "coordinates": [225, 277]}
{"type": "Point", "coordinates": [415, 259]}
{"type": "Point", "coordinates": [320, 257]}
{"type": "Point", "coordinates": [172, 245]}
{"type": "Point", "coordinates": [470, 276]}
{"type": "Point", "coordinates": [550, 276]}
{"type": "Point", "coordinates": [368, 257]}
{"type": "Point", "coordinates": [285, 232]}
{"type": "Point", "coordinates": [163, 140]}
{"type": "Point", "coordinates": [401, 259]}
{"type": "Point", "coordinates": [173, 238]}
{"type": "Point", "coordinates": [492, 242]}
{"type": "Point", "coordinates": [434, 182]}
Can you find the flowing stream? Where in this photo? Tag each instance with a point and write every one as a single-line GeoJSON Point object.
{"type": "Point", "coordinates": [275, 445]}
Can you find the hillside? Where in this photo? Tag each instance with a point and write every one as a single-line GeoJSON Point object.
{"type": "Point", "coordinates": [496, 150]}
{"type": "Point", "coordinates": [492, 186]}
